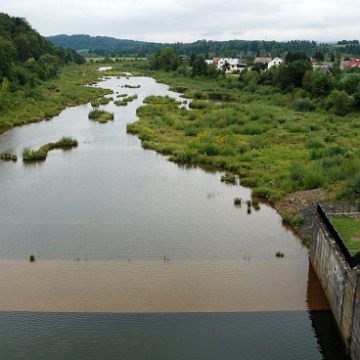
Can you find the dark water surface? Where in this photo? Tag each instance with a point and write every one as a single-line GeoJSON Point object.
{"type": "Point", "coordinates": [137, 257]}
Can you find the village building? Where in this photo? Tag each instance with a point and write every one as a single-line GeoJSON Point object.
{"type": "Point", "coordinates": [275, 62]}
{"type": "Point", "coordinates": [231, 64]}
{"type": "Point", "coordinates": [264, 60]}
{"type": "Point", "coordinates": [355, 62]}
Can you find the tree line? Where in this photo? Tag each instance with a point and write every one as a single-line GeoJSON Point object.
{"type": "Point", "coordinates": [111, 47]}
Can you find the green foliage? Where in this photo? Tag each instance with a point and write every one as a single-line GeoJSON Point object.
{"type": "Point", "coordinates": [303, 105]}
{"type": "Point", "coordinates": [318, 85]}
{"type": "Point", "coordinates": [229, 177]}
{"type": "Point", "coordinates": [40, 154]}
{"type": "Point", "coordinates": [338, 102]}
{"type": "Point", "coordinates": [125, 100]}
{"type": "Point", "coordinates": [291, 76]}
{"type": "Point", "coordinates": [353, 188]}
{"type": "Point", "coordinates": [314, 141]}
{"type": "Point", "coordinates": [6, 156]}
{"type": "Point", "coordinates": [101, 116]}
{"type": "Point", "coordinates": [199, 66]}
{"type": "Point", "coordinates": [165, 59]}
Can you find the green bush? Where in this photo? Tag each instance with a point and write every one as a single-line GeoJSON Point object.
{"type": "Point", "coordinates": [303, 105]}
{"type": "Point", "coordinates": [314, 179]}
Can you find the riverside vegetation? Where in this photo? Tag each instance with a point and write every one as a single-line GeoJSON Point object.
{"type": "Point", "coordinates": [257, 131]}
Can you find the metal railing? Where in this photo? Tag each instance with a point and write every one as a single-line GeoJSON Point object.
{"type": "Point", "coordinates": [352, 260]}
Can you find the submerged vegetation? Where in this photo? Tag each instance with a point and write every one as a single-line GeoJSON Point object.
{"type": "Point", "coordinates": [132, 86]}
{"type": "Point", "coordinates": [41, 153]}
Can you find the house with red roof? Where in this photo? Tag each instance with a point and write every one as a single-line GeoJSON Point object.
{"type": "Point", "coordinates": [354, 62]}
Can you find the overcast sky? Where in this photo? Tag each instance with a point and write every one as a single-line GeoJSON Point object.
{"type": "Point", "coordinates": [191, 20]}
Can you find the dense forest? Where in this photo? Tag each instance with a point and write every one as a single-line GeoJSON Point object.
{"type": "Point", "coordinates": [26, 57]}
{"type": "Point", "coordinates": [108, 46]}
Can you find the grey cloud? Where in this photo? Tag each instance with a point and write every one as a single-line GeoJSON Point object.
{"type": "Point", "coordinates": [188, 21]}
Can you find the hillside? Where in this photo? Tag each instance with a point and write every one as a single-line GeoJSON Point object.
{"type": "Point", "coordinates": [26, 57]}
{"type": "Point", "coordinates": [81, 41]}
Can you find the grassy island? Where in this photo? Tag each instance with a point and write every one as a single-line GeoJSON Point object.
{"type": "Point", "coordinates": [41, 153]}
{"type": "Point", "coordinates": [125, 100]}
{"type": "Point", "coordinates": [101, 116]}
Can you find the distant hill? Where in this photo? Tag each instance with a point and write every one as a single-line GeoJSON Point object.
{"type": "Point", "coordinates": [109, 46]}
{"type": "Point", "coordinates": [81, 41]}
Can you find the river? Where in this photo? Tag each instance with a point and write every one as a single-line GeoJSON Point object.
{"type": "Point", "coordinates": [141, 258]}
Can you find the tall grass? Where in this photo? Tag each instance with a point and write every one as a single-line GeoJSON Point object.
{"type": "Point", "coordinates": [41, 154]}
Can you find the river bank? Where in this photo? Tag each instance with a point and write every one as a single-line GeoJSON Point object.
{"type": "Point", "coordinates": [49, 98]}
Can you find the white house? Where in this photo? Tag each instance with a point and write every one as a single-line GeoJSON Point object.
{"type": "Point", "coordinates": [275, 62]}
{"type": "Point", "coordinates": [234, 64]}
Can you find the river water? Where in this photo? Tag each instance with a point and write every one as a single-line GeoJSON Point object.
{"type": "Point", "coordinates": [140, 258]}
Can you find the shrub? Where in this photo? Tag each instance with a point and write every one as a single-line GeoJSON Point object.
{"type": "Point", "coordinates": [314, 141]}
{"type": "Point", "coordinates": [303, 105]}
{"type": "Point", "coordinates": [353, 188]}
{"type": "Point", "coordinates": [338, 101]}
{"type": "Point", "coordinates": [314, 179]}
{"type": "Point", "coordinates": [229, 177]}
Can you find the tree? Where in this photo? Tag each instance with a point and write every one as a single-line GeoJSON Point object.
{"type": "Point", "coordinates": [319, 55]}
{"type": "Point", "coordinates": [318, 85]}
{"type": "Point", "coordinates": [165, 59]}
{"type": "Point", "coordinates": [8, 54]}
{"type": "Point", "coordinates": [296, 56]}
{"type": "Point", "coordinates": [225, 67]}
{"type": "Point", "coordinates": [199, 66]}
{"type": "Point", "coordinates": [291, 76]}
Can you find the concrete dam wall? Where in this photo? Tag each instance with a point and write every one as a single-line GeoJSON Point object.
{"type": "Point", "coordinates": [340, 281]}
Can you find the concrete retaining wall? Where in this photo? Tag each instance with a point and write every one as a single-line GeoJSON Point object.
{"type": "Point", "coordinates": [341, 284]}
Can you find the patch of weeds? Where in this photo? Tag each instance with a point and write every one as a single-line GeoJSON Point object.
{"type": "Point", "coordinates": [101, 116]}
{"type": "Point", "coordinates": [229, 177]}
{"type": "Point", "coordinates": [6, 156]}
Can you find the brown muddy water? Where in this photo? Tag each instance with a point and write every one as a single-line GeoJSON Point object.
{"type": "Point", "coordinates": [139, 258]}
